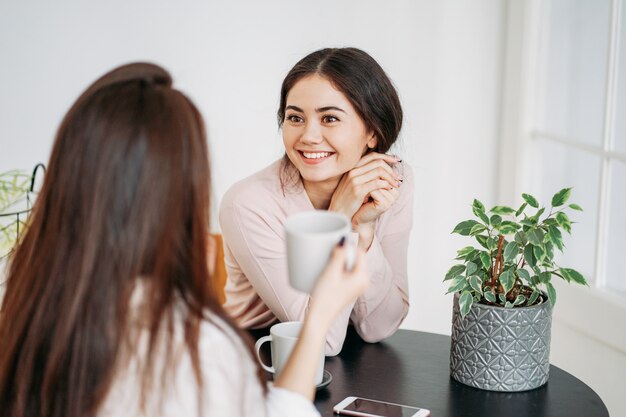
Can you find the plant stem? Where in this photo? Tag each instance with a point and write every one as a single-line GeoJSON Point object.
{"type": "Point", "coordinates": [499, 264]}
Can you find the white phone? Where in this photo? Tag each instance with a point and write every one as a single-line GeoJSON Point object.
{"type": "Point", "coordinates": [363, 407]}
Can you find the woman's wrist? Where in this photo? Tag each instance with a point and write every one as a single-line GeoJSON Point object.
{"type": "Point", "coordinates": [366, 233]}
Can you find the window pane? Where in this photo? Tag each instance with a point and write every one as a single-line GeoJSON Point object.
{"type": "Point", "coordinates": [620, 120]}
{"type": "Point", "coordinates": [616, 277]}
{"type": "Point", "coordinates": [574, 82]}
{"type": "Point", "coordinates": [558, 167]}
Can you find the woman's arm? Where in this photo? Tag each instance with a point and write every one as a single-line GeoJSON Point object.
{"type": "Point", "coordinates": [380, 310]}
{"type": "Point", "coordinates": [335, 289]}
{"type": "Point", "coordinates": [253, 233]}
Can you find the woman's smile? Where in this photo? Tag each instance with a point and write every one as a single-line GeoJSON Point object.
{"type": "Point", "coordinates": [313, 158]}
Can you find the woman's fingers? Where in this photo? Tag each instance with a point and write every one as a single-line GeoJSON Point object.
{"type": "Point", "coordinates": [373, 156]}
{"type": "Point", "coordinates": [384, 199]}
{"type": "Point", "coordinates": [373, 164]}
{"type": "Point", "coordinates": [373, 172]}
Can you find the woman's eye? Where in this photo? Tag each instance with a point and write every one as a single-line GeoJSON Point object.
{"type": "Point", "coordinates": [329, 119]}
{"type": "Point", "coordinates": [294, 118]}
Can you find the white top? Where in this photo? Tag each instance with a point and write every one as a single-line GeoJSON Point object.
{"type": "Point", "coordinates": [231, 386]}
{"type": "Point", "coordinates": [258, 294]}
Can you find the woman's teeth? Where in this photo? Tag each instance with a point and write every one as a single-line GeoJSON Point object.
{"type": "Point", "coordinates": [315, 155]}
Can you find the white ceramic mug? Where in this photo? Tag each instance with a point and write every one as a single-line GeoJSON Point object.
{"type": "Point", "coordinates": [311, 237]}
{"type": "Point", "coordinates": [283, 337]}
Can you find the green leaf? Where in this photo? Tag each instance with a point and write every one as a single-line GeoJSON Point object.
{"type": "Point", "coordinates": [477, 228]}
{"type": "Point", "coordinates": [482, 240]}
{"type": "Point", "coordinates": [510, 251]}
{"type": "Point", "coordinates": [539, 253]}
{"type": "Point", "coordinates": [478, 205]}
{"type": "Point", "coordinates": [485, 259]}
{"type": "Point", "coordinates": [519, 300]}
{"type": "Point", "coordinates": [489, 296]}
{"type": "Point", "coordinates": [562, 218]}
{"type": "Point", "coordinates": [523, 274]}
{"type": "Point", "coordinates": [496, 219]}
{"type": "Point", "coordinates": [520, 210]}
{"type": "Point", "coordinates": [471, 267]}
{"type": "Point", "coordinates": [454, 271]}
{"type": "Point", "coordinates": [549, 250]}
{"type": "Point", "coordinates": [573, 275]}
{"type": "Point", "coordinates": [556, 237]}
{"type": "Point", "coordinates": [564, 221]}
{"type": "Point", "coordinates": [545, 277]}
{"type": "Point", "coordinates": [507, 227]}
{"type": "Point", "coordinates": [561, 197]}
{"type": "Point", "coordinates": [536, 236]}
{"type": "Point", "coordinates": [507, 279]}
{"type": "Point", "coordinates": [532, 201]}
{"type": "Point", "coordinates": [476, 283]}
{"type": "Point", "coordinates": [465, 303]}
{"type": "Point", "coordinates": [458, 283]}
{"type": "Point", "coordinates": [551, 294]}
{"type": "Point", "coordinates": [575, 207]}
{"type": "Point", "coordinates": [502, 298]}
{"type": "Point", "coordinates": [465, 252]}
{"type": "Point", "coordinates": [502, 210]}
{"type": "Point", "coordinates": [535, 218]}
{"type": "Point", "coordinates": [479, 211]}
{"type": "Point", "coordinates": [529, 256]}
{"type": "Point", "coordinates": [465, 227]}
{"type": "Point", "coordinates": [508, 304]}
{"type": "Point", "coordinates": [520, 237]}
{"type": "Point", "coordinates": [550, 222]}
{"type": "Point", "coordinates": [533, 297]}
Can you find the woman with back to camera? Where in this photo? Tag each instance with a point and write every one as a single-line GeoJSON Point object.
{"type": "Point", "coordinates": [108, 309]}
{"type": "Point", "coordinates": [339, 114]}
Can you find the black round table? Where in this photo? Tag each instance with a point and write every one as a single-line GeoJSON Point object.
{"type": "Point", "coordinates": [412, 368]}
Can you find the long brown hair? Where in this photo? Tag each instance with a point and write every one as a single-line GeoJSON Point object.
{"type": "Point", "coordinates": [126, 195]}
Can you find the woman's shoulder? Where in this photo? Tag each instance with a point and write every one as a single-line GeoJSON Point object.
{"type": "Point", "coordinates": [260, 185]}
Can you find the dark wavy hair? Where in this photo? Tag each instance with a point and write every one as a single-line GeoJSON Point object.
{"type": "Point", "coordinates": [364, 83]}
{"type": "Point", "coordinates": [125, 199]}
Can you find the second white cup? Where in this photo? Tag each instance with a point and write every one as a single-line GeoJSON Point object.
{"type": "Point", "coordinates": [283, 337]}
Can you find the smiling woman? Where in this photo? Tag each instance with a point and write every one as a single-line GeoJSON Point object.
{"type": "Point", "coordinates": [339, 114]}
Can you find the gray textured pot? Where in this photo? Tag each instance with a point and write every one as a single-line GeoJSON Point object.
{"type": "Point", "coordinates": [501, 349]}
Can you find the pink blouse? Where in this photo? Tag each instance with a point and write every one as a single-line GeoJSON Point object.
{"type": "Point", "coordinates": [258, 294]}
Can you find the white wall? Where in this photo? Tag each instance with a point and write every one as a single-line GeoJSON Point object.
{"type": "Point", "coordinates": [230, 57]}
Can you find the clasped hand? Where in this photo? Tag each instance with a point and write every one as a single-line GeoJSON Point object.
{"type": "Point", "coordinates": [365, 192]}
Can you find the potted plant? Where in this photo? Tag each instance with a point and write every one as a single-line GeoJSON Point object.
{"type": "Point", "coordinates": [503, 295]}
{"type": "Point", "coordinates": [16, 199]}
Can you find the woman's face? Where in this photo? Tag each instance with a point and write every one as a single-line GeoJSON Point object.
{"type": "Point", "coordinates": [324, 136]}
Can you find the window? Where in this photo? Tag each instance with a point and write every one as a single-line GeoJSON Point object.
{"type": "Point", "coordinates": [576, 129]}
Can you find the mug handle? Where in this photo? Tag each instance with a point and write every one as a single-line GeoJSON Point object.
{"type": "Point", "coordinates": [352, 241]}
{"type": "Point", "coordinates": [257, 348]}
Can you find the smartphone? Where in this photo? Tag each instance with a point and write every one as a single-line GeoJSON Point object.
{"type": "Point", "coordinates": [363, 407]}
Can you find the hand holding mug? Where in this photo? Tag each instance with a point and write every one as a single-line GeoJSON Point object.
{"type": "Point", "coordinates": [337, 288]}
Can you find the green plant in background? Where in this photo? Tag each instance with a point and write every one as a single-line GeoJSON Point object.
{"type": "Point", "coordinates": [514, 259]}
{"type": "Point", "coordinates": [14, 189]}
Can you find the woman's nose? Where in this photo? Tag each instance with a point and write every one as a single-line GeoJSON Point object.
{"type": "Point", "coordinates": [312, 134]}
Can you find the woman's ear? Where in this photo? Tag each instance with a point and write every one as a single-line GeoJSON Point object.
{"type": "Point", "coordinates": [372, 141]}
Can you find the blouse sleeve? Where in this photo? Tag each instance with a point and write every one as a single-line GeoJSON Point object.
{"type": "Point", "coordinates": [232, 388]}
{"type": "Point", "coordinates": [255, 238]}
{"type": "Point", "coordinates": [380, 310]}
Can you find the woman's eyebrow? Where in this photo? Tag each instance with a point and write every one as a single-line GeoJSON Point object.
{"type": "Point", "coordinates": [318, 110]}
{"type": "Point", "coordinates": [328, 108]}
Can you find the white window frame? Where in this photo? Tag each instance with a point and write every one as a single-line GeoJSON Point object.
{"type": "Point", "coordinates": [595, 311]}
